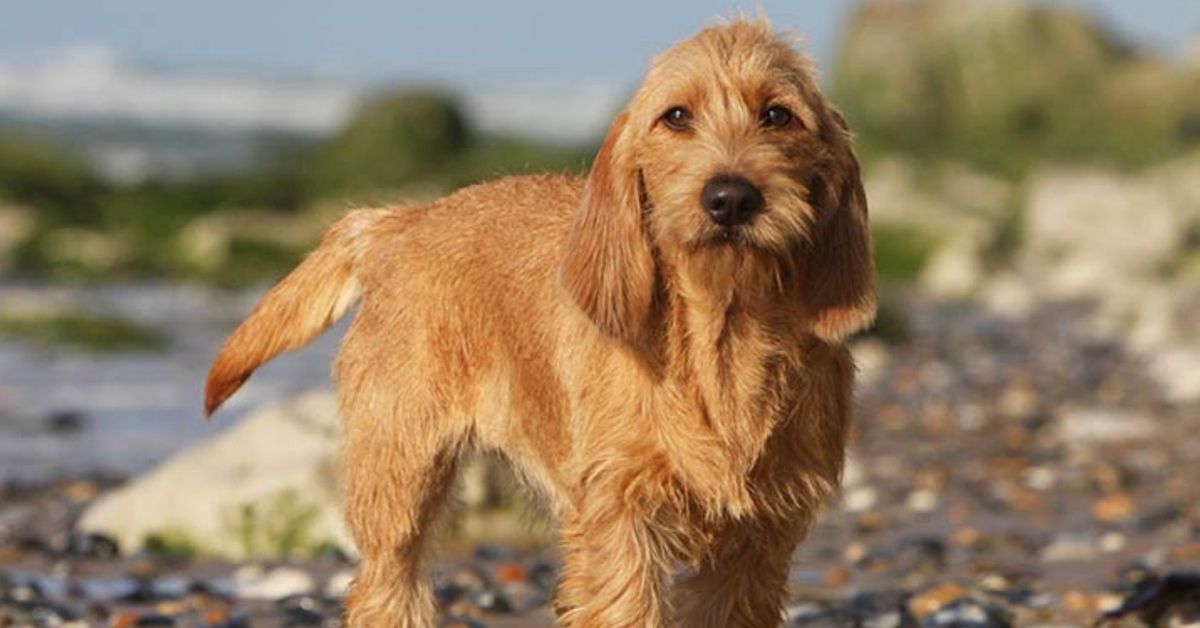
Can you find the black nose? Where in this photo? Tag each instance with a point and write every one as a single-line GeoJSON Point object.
{"type": "Point", "coordinates": [731, 201]}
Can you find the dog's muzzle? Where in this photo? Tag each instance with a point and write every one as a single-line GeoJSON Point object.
{"type": "Point", "coordinates": [731, 201]}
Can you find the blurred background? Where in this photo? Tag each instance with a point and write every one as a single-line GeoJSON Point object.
{"type": "Point", "coordinates": [1027, 446]}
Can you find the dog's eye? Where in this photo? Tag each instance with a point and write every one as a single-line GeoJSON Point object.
{"type": "Point", "coordinates": [677, 119]}
{"type": "Point", "coordinates": [776, 117]}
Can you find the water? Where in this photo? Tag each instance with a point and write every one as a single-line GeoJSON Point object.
{"type": "Point", "coordinates": [139, 407]}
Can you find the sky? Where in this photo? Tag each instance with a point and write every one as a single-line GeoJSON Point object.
{"type": "Point", "coordinates": [464, 43]}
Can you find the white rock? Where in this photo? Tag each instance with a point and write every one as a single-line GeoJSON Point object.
{"type": "Point", "coordinates": [853, 473]}
{"type": "Point", "coordinates": [1010, 296]}
{"type": "Point", "coordinates": [264, 486]}
{"type": "Point", "coordinates": [860, 499]}
{"type": "Point", "coordinates": [1070, 548]}
{"type": "Point", "coordinates": [1104, 425]}
{"type": "Point", "coordinates": [922, 501]}
{"type": "Point", "coordinates": [1089, 230]}
{"type": "Point", "coordinates": [16, 224]}
{"type": "Point", "coordinates": [1112, 542]}
{"type": "Point", "coordinates": [871, 357]}
{"type": "Point", "coordinates": [276, 584]}
{"type": "Point", "coordinates": [338, 584]}
{"type": "Point", "coordinates": [956, 270]}
{"type": "Point", "coordinates": [1177, 370]}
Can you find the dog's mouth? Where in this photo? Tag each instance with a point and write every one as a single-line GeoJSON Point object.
{"type": "Point", "coordinates": [734, 236]}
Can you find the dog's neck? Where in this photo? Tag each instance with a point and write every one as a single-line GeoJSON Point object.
{"type": "Point", "coordinates": [728, 339]}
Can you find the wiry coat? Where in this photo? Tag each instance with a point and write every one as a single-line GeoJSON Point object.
{"type": "Point", "coordinates": [678, 393]}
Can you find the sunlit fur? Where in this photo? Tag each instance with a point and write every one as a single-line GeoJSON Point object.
{"type": "Point", "coordinates": [677, 394]}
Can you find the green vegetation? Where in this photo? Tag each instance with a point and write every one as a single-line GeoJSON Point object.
{"type": "Point", "coordinates": [38, 174]}
{"type": "Point", "coordinates": [401, 145]}
{"type": "Point", "coordinates": [1003, 86]}
{"type": "Point", "coordinates": [83, 331]}
{"type": "Point", "coordinates": [280, 526]}
{"type": "Point", "coordinates": [900, 252]}
{"type": "Point", "coordinates": [172, 542]}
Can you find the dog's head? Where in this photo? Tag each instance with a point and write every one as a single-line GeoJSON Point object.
{"type": "Point", "coordinates": [729, 162]}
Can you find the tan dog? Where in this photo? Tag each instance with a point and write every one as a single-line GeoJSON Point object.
{"type": "Point", "coordinates": [655, 350]}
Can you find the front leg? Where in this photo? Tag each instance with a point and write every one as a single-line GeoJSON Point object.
{"type": "Point", "coordinates": [615, 568]}
{"type": "Point", "coordinates": [743, 582]}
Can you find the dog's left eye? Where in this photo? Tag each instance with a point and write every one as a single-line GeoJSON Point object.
{"type": "Point", "coordinates": [776, 117]}
{"type": "Point", "coordinates": [677, 118]}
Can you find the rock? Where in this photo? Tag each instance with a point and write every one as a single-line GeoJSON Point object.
{"type": "Point", "coordinates": [871, 357]}
{"type": "Point", "coordinates": [65, 422]}
{"type": "Point", "coordinates": [338, 585]}
{"type": "Point", "coordinates": [860, 499]}
{"type": "Point", "coordinates": [932, 600]}
{"type": "Point", "coordinates": [1114, 508]}
{"type": "Point", "coordinates": [93, 545]}
{"type": "Point", "coordinates": [1174, 596]}
{"type": "Point", "coordinates": [96, 250]}
{"type": "Point", "coordinates": [1104, 425]}
{"type": "Point", "coordinates": [265, 486]}
{"type": "Point", "coordinates": [853, 473]}
{"type": "Point", "coordinates": [954, 213]}
{"type": "Point", "coordinates": [251, 582]}
{"type": "Point", "coordinates": [1090, 232]}
{"type": "Point", "coordinates": [1009, 296]}
{"type": "Point", "coordinates": [968, 613]}
{"type": "Point", "coordinates": [956, 270]}
{"type": "Point", "coordinates": [922, 501]}
{"type": "Point", "coordinates": [16, 225]}
{"type": "Point", "coordinates": [1070, 548]}
{"type": "Point", "coordinates": [1177, 370]}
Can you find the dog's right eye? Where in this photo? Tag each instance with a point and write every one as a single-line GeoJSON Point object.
{"type": "Point", "coordinates": [677, 119]}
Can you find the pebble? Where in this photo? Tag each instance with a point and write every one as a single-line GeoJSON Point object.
{"type": "Point", "coordinates": [860, 499]}
{"type": "Point", "coordinates": [1114, 508]}
{"type": "Point", "coordinates": [279, 583]}
{"type": "Point", "coordinates": [968, 613]}
{"type": "Point", "coordinates": [1105, 425]}
{"type": "Point", "coordinates": [932, 600]}
{"type": "Point", "coordinates": [1070, 548]}
{"type": "Point", "coordinates": [922, 501]}
{"type": "Point", "coordinates": [338, 585]}
{"type": "Point", "coordinates": [974, 421]}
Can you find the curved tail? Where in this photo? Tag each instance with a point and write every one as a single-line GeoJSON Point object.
{"type": "Point", "coordinates": [310, 299]}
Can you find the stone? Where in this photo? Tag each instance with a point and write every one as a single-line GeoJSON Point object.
{"type": "Point", "coordinates": [252, 582]}
{"type": "Point", "coordinates": [956, 270]}
{"type": "Point", "coordinates": [860, 499]}
{"type": "Point", "coordinates": [871, 357]}
{"type": "Point", "coordinates": [1093, 232]}
{"type": "Point", "coordinates": [1114, 508]}
{"type": "Point", "coordinates": [1104, 425]}
{"type": "Point", "coordinates": [16, 225]}
{"type": "Point", "coordinates": [1177, 371]}
{"type": "Point", "coordinates": [931, 601]}
{"type": "Point", "coordinates": [264, 487]}
{"type": "Point", "coordinates": [1009, 295]}
{"type": "Point", "coordinates": [338, 585]}
{"type": "Point", "coordinates": [1070, 548]}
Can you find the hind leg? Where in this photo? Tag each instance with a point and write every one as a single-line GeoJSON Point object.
{"type": "Point", "coordinates": [399, 472]}
{"type": "Point", "coordinates": [744, 582]}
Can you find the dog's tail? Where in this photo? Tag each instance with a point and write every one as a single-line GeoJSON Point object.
{"type": "Point", "coordinates": [310, 299]}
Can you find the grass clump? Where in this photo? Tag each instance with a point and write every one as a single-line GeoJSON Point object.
{"type": "Point", "coordinates": [280, 526]}
{"type": "Point", "coordinates": [83, 331]}
{"type": "Point", "coordinates": [173, 543]}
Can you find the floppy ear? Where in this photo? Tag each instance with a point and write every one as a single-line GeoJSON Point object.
{"type": "Point", "coordinates": [608, 267]}
{"type": "Point", "coordinates": [838, 272]}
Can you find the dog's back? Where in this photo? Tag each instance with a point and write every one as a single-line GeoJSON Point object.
{"type": "Point", "coordinates": [481, 256]}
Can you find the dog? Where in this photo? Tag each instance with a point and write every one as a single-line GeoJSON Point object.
{"type": "Point", "coordinates": [656, 349]}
